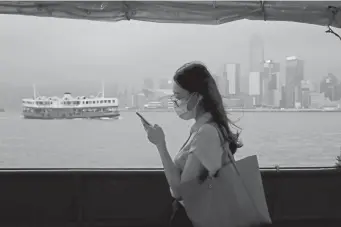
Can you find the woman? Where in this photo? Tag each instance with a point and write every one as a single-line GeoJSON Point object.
{"type": "Point", "coordinates": [196, 96]}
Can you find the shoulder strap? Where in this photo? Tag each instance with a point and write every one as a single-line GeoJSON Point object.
{"type": "Point", "coordinates": [190, 135]}
{"type": "Point", "coordinates": [226, 151]}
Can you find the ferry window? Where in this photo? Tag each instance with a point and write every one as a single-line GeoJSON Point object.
{"type": "Point", "coordinates": [273, 84]}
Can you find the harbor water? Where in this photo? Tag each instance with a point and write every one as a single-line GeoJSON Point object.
{"type": "Point", "coordinates": [285, 139]}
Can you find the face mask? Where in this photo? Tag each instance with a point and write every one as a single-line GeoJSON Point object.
{"type": "Point", "coordinates": [182, 111]}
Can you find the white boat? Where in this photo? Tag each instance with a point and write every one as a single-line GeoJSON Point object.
{"type": "Point", "coordinates": [69, 107]}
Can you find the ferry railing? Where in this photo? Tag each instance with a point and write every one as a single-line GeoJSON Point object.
{"type": "Point", "coordinates": [296, 196]}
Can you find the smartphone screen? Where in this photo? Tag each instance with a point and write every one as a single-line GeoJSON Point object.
{"type": "Point", "coordinates": [143, 119]}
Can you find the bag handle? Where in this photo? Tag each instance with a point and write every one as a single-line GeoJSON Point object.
{"type": "Point", "coordinates": [228, 152]}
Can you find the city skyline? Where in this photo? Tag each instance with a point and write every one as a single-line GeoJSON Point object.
{"type": "Point", "coordinates": [75, 56]}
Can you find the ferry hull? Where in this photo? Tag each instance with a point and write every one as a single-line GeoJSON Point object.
{"type": "Point", "coordinates": [58, 114]}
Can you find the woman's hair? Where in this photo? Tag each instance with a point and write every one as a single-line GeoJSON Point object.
{"type": "Point", "coordinates": [195, 77]}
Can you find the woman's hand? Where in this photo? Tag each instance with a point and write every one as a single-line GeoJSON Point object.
{"type": "Point", "coordinates": [155, 134]}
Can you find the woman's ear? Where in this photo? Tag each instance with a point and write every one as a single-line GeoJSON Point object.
{"type": "Point", "coordinates": [191, 103]}
{"type": "Point", "coordinates": [194, 101]}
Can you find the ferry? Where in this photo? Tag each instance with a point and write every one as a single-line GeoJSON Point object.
{"type": "Point", "coordinates": [69, 107]}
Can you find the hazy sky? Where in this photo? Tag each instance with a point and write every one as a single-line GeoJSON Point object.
{"type": "Point", "coordinates": [49, 51]}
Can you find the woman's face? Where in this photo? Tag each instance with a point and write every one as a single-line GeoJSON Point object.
{"type": "Point", "coordinates": [182, 94]}
{"type": "Point", "coordinates": [179, 92]}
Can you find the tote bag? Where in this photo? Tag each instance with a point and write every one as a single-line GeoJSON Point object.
{"type": "Point", "coordinates": [234, 198]}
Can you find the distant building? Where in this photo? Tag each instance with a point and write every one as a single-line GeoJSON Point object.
{"type": "Point", "coordinates": [166, 102]}
{"type": "Point", "coordinates": [271, 84]}
{"type": "Point", "coordinates": [223, 84]}
{"type": "Point", "coordinates": [124, 98]}
{"type": "Point", "coordinates": [148, 83]}
{"type": "Point", "coordinates": [139, 100]}
{"type": "Point", "coordinates": [165, 84]}
{"type": "Point", "coordinates": [294, 76]}
{"type": "Point", "coordinates": [156, 94]}
{"type": "Point", "coordinates": [330, 87]}
{"type": "Point", "coordinates": [256, 54]}
{"type": "Point", "coordinates": [256, 87]}
{"type": "Point", "coordinates": [246, 100]}
{"type": "Point", "coordinates": [283, 97]}
{"type": "Point", "coordinates": [233, 103]}
{"type": "Point", "coordinates": [307, 87]}
{"type": "Point", "coordinates": [317, 100]}
{"type": "Point", "coordinates": [153, 97]}
{"type": "Point", "coordinates": [306, 99]}
{"type": "Point", "coordinates": [316, 87]}
{"type": "Point", "coordinates": [256, 69]}
{"type": "Point", "coordinates": [233, 76]}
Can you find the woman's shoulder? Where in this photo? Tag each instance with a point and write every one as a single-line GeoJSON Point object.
{"type": "Point", "coordinates": [209, 130]}
{"type": "Point", "coordinates": [207, 147]}
{"type": "Point", "coordinates": [207, 135]}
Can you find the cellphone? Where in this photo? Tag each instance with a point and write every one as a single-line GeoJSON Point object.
{"type": "Point", "coordinates": [143, 119]}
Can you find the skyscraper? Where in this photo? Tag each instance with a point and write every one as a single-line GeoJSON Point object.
{"type": "Point", "coordinates": [271, 84]}
{"type": "Point", "coordinates": [255, 87]}
{"type": "Point", "coordinates": [256, 55]}
{"type": "Point", "coordinates": [233, 77]}
{"type": "Point", "coordinates": [256, 68]}
{"type": "Point", "coordinates": [306, 87]}
{"type": "Point", "coordinates": [294, 76]}
{"type": "Point", "coordinates": [329, 86]}
{"type": "Point", "coordinates": [222, 81]}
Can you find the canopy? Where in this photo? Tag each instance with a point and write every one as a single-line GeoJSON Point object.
{"type": "Point", "coordinates": [325, 13]}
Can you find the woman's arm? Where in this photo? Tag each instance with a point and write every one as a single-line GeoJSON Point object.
{"type": "Point", "coordinates": [205, 153]}
{"type": "Point", "coordinates": [172, 173]}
